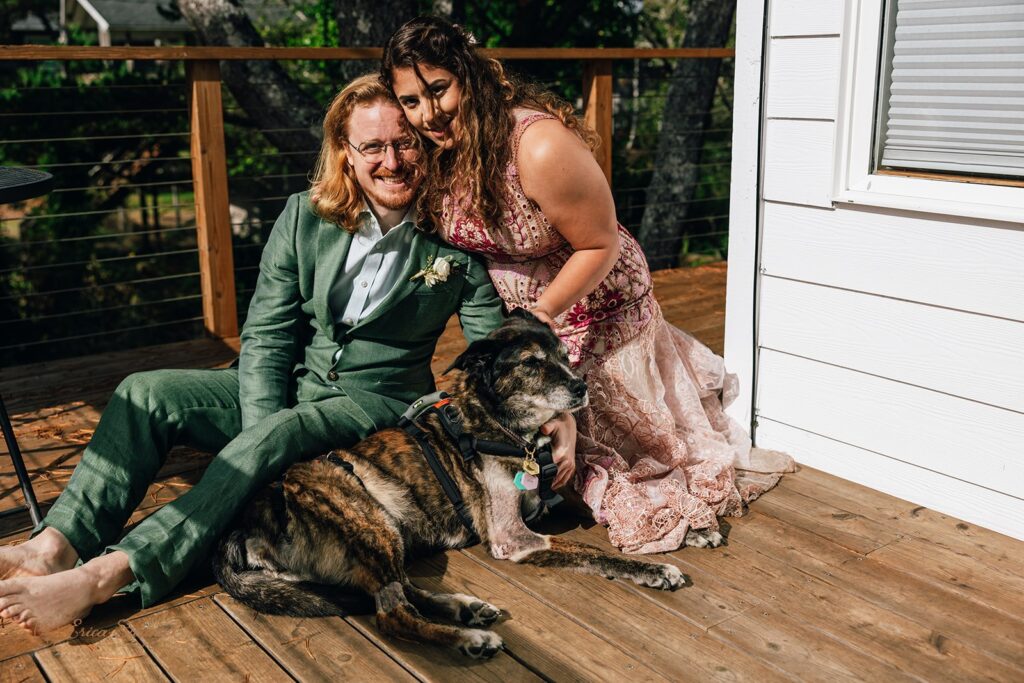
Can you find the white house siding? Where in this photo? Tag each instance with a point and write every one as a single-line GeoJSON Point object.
{"type": "Point", "coordinates": [890, 344]}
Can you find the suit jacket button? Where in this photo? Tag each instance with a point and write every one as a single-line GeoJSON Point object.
{"type": "Point", "coordinates": [332, 375]}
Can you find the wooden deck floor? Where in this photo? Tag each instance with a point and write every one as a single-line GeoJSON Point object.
{"type": "Point", "coordinates": [823, 580]}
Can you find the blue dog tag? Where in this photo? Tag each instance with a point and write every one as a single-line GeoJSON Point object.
{"type": "Point", "coordinates": [525, 482]}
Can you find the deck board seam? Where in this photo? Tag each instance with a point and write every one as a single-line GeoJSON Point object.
{"type": "Point", "coordinates": [38, 665]}
{"type": "Point", "coordinates": [408, 668]}
{"type": "Point", "coordinates": [252, 636]}
{"type": "Point", "coordinates": [526, 665]}
{"type": "Point", "coordinates": [149, 653]}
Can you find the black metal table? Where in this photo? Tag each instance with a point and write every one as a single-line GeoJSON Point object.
{"type": "Point", "coordinates": [18, 184]}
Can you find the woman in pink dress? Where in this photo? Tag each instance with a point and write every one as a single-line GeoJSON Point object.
{"type": "Point", "coordinates": [511, 175]}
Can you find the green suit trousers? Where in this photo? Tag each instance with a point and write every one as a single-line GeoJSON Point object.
{"type": "Point", "coordinates": [149, 414]}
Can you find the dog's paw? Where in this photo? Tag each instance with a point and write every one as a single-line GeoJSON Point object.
{"type": "Point", "coordinates": [479, 644]}
{"type": "Point", "coordinates": [703, 538]}
{"type": "Point", "coordinates": [665, 577]}
{"type": "Point", "coordinates": [479, 613]}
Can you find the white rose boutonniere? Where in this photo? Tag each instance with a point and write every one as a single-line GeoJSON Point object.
{"type": "Point", "coordinates": [438, 271]}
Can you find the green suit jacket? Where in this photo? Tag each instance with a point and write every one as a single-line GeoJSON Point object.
{"type": "Point", "coordinates": [291, 343]}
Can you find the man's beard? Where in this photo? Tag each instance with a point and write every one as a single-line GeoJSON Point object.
{"type": "Point", "coordinates": [400, 196]}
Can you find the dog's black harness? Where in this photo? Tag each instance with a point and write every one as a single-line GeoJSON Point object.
{"type": "Point", "coordinates": [469, 446]}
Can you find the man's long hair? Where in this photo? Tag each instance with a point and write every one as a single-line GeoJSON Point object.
{"type": "Point", "coordinates": [475, 167]}
{"type": "Point", "coordinates": [335, 193]}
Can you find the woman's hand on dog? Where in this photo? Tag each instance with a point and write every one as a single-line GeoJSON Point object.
{"type": "Point", "coordinates": [562, 430]}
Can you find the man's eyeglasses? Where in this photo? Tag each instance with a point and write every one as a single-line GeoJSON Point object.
{"type": "Point", "coordinates": [375, 151]}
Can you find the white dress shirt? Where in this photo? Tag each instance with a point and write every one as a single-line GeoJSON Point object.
{"type": "Point", "coordinates": [372, 267]}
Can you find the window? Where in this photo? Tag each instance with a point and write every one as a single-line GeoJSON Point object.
{"type": "Point", "coordinates": [951, 88]}
{"type": "Point", "coordinates": [968, 44]}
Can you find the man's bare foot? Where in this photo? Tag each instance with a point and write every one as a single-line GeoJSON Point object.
{"type": "Point", "coordinates": [43, 603]}
{"type": "Point", "coordinates": [47, 553]}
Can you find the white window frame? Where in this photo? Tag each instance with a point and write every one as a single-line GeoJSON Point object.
{"type": "Point", "coordinates": [854, 183]}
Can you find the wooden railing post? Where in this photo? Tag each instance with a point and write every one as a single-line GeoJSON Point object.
{"type": "Point", "coordinates": [597, 108]}
{"type": "Point", "coordinates": [210, 184]}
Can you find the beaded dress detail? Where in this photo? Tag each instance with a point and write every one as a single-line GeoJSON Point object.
{"type": "Point", "coordinates": [656, 453]}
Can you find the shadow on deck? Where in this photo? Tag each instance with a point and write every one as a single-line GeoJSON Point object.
{"type": "Point", "coordinates": [824, 579]}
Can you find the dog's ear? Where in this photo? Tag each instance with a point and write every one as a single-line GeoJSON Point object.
{"type": "Point", "coordinates": [524, 314]}
{"type": "Point", "coordinates": [477, 358]}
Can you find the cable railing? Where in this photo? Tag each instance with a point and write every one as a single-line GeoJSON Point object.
{"type": "Point", "coordinates": [166, 189]}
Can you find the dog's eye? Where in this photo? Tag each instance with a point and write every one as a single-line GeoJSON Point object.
{"type": "Point", "coordinates": [532, 362]}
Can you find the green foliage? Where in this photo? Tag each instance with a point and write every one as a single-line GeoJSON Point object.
{"type": "Point", "coordinates": [114, 250]}
{"type": "Point", "coordinates": [96, 127]}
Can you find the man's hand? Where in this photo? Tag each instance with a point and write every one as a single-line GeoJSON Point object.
{"type": "Point", "coordinates": [562, 430]}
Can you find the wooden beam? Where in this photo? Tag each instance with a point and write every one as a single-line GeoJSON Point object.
{"type": "Point", "coordinates": [190, 53]}
{"type": "Point", "coordinates": [597, 107]}
{"type": "Point", "coordinates": [210, 184]}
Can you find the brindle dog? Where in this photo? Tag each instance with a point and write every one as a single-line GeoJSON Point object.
{"type": "Point", "coordinates": [324, 528]}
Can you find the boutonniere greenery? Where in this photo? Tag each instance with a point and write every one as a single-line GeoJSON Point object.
{"type": "Point", "coordinates": [438, 271]}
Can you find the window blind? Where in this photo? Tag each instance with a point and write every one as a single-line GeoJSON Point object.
{"type": "Point", "coordinates": [952, 87]}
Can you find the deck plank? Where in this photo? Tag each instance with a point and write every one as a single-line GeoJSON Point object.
{"type": "Point", "coordinates": [534, 632]}
{"type": "Point", "coordinates": [946, 613]}
{"type": "Point", "coordinates": [851, 531]}
{"type": "Point", "coordinates": [199, 641]}
{"type": "Point", "coordinates": [801, 651]}
{"type": "Point", "coordinates": [990, 548]}
{"type": "Point", "coordinates": [955, 573]}
{"type": "Point", "coordinates": [998, 584]}
{"type": "Point", "coordinates": [90, 379]}
{"type": "Point", "coordinates": [633, 622]}
{"type": "Point", "coordinates": [15, 640]}
{"type": "Point", "coordinates": [844, 616]}
{"type": "Point", "coordinates": [705, 603]}
{"type": "Point", "coordinates": [439, 665]}
{"type": "Point", "coordinates": [958, 573]}
{"type": "Point", "coordinates": [166, 488]}
{"type": "Point", "coordinates": [20, 669]}
{"type": "Point", "coordinates": [315, 649]}
{"type": "Point", "coordinates": [114, 652]}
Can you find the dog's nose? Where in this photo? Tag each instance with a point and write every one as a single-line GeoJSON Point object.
{"type": "Point", "coordinates": [578, 388]}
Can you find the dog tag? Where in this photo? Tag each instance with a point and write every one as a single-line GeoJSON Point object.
{"type": "Point", "coordinates": [526, 482]}
{"type": "Point", "coordinates": [531, 467]}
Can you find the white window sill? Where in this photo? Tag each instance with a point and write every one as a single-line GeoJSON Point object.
{"type": "Point", "coordinates": [949, 198]}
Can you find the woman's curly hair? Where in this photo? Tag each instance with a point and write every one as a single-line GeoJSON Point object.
{"type": "Point", "coordinates": [475, 166]}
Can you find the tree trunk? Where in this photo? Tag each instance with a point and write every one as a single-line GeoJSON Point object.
{"type": "Point", "coordinates": [269, 96]}
{"type": "Point", "coordinates": [369, 23]}
{"type": "Point", "coordinates": [676, 169]}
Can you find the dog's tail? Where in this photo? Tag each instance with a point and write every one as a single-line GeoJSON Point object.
{"type": "Point", "coordinates": [263, 592]}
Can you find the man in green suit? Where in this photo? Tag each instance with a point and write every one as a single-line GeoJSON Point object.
{"type": "Point", "coordinates": [337, 343]}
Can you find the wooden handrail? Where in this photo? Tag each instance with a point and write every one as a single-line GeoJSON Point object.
{"type": "Point", "coordinates": [188, 53]}
{"type": "Point", "coordinates": [209, 162]}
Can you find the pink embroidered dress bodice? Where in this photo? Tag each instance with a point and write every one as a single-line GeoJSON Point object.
{"type": "Point", "coordinates": [524, 253]}
{"type": "Point", "coordinates": [656, 453]}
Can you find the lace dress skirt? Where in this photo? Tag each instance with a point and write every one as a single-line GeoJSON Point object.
{"type": "Point", "coordinates": [656, 453]}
